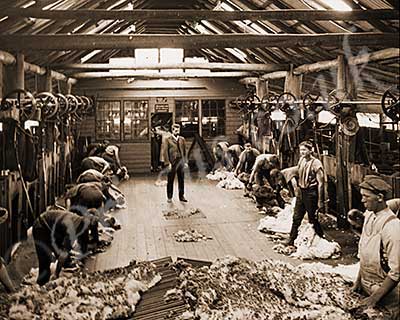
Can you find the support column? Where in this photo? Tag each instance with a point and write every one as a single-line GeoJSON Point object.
{"type": "Point", "coordinates": [261, 88]}
{"type": "Point", "coordinates": [69, 87]}
{"type": "Point", "coordinates": [293, 84]}
{"type": "Point", "coordinates": [45, 82]}
{"type": "Point", "coordinates": [49, 81]}
{"type": "Point", "coordinates": [20, 78]}
{"type": "Point", "coordinates": [345, 86]}
{"type": "Point", "coordinates": [2, 84]}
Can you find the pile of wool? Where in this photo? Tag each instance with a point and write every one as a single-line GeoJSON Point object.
{"type": "Point", "coordinates": [282, 223]}
{"type": "Point", "coordinates": [231, 182]}
{"type": "Point", "coordinates": [236, 288]}
{"type": "Point", "coordinates": [309, 245]}
{"type": "Point", "coordinates": [161, 183]}
{"type": "Point", "coordinates": [110, 294]}
{"type": "Point", "coordinates": [191, 235]}
{"type": "Point", "coordinates": [179, 214]}
{"type": "Point", "coordinates": [219, 174]}
{"type": "Point", "coordinates": [348, 272]}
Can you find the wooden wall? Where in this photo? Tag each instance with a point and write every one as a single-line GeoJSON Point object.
{"type": "Point", "coordinates": [137, 155]}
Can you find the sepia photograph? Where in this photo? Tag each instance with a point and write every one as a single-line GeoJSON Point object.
{"type": "Point", "coordinates": [199, 160]}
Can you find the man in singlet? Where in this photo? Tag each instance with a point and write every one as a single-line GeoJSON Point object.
{"type": "Point", "coordinates": [310, 192]}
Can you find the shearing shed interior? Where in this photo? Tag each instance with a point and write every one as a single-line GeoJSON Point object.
{"type": "Point", "coordinates": [199, 159]}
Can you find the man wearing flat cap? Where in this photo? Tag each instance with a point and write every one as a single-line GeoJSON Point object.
{"type": "Point", "coordinates": [379, 249]}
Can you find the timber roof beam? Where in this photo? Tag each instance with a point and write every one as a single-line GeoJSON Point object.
{"type": "Point", "coordinates": [111, 41]}
{"type": "Point", "coordinates": [197, 15]}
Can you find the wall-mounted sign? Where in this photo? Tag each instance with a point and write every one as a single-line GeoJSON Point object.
{"type": "Point", "coordinates": [161, 108]}
{"type": "Point", "coordinates": [161, 100]}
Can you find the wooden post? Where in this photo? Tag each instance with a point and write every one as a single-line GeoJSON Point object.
{"type": "Point", "coordinates": [69, 87]}
{"type": "Point", "coordinates": [345, 86]}
{"type": "Point", "coordinates": [20, 77]}
{"type": "Point", "coordinates": [2, 70]}
{"type": "Point", "coordinates": [293, 84]}
{"type": "Point", "coordinates": [261, 88]}
{"type": "Point", "coordinates": [48, 81]}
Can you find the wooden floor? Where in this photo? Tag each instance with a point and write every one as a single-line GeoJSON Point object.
{"type": "Point", "coordinates": [230, 219]}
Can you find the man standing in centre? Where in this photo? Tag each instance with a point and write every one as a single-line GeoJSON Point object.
{"type": "Point", "coordinates": [176, 161]}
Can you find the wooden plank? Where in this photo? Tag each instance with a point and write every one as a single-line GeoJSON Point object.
{"type": "Point", "coordinates": [151, 251]}
{"type": "Point", "coordinates": [169, 244]}
{"type": "Point", "coordinates": [161, 250]}
{"type": "Point", "coordinates": [141, 242]}
{"type": "Point", "coordinates": [178, 246]}
{"type": "Point", "coordinates": [110, 41]}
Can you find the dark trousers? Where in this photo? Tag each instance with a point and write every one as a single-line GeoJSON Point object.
{"type": "Point", "coordinates": [307, 201]}
{"type": "Point", "coordinates": [46, 244]}
{"type": "Point", "coordinates": [155, 153]}
{"type": "Point", "coordinates": [177, 169]}
{"type": "Point", "coordinates": [261, 175]}
{"type": "Point", "coordinates": [44, 253]}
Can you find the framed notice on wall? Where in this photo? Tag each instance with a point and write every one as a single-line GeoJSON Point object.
{"type": "Point", "coordinates": [161, 108]}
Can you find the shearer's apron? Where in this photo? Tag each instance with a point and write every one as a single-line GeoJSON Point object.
{"type": "Point", "coordinates": [372, 273]}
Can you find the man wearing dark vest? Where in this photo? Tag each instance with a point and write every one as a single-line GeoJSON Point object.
{"type": "Point", "coordinates": [247, 159]}
{"type": "Point", "coordinates": [309, 197]}
{"type": "Point", "coordinates": [176, 161]}
{"type": "Point", "coordinates": [54, 232]}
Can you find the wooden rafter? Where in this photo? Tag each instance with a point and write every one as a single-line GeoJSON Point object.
{"type": "Point", "coordinates": [111, 41]}
{"type": "Point", "coordinates": [331, 64]}
{"type": "Point", "coordinates": [185, 65]}
{"type": "Point", "coordinates": [196, 15]}
{"type": "Point", "coordinates": [156, 75]}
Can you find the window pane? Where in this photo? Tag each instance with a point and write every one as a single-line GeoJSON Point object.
{"type": "Point", "coordinates": [108, 120]}
{"type": "Point", "coordinates": [187, 115]}
{"type": "Point", "coordinates": [136, 119]}
{"type": "Point", "coordinates": [213, 118]}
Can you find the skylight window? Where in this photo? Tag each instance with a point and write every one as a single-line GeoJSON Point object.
{"type": "Point", "coordinates": [51, 5]}
{"type": "Point", "coordinates": [89, 56]}
{"type": "Point", "coordinates": [226, 7]}
{"type": "Point", "coordinates": [237, 53]}
{"type": "Point", "coordinates": [151, 57]}
{"type": "Point", "coordinates": [337, 5]}
{"type": "Point", "coordinates": [259, 29]}
{"type": "Point", "coordinates": [171, 55]}
{"type": "Point", "coordinates": [146, 56]}
{"type": "Point", "coordinates": [29, 4]}
{"type": "Point", "coordinates": [211, 26]}
{"type": "Point", "coordinates": [202, 29]}
{"type": "Point", "coordinates": [119, 3]}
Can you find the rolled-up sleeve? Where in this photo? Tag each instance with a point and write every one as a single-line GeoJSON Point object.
{"type": "Point", "coordinates": [391, 246]}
